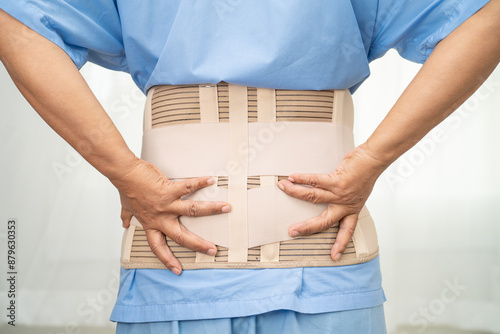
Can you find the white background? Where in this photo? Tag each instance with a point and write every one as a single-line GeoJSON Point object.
{"type": "Point", "coordinates": [436, 209]}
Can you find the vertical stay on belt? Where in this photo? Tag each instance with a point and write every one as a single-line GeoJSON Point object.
{"type": "Point", "coordinates": [148, 122]}
{"type": "Point", "coordinates": [238, 172]}
{"type": "Point", "coordinates": [266, 112]}
{"type": "Point", "coordinates": [343, 113]}
{"type": "Point", "coordinates": [209, 109]}
{"type": "Point", "coordinates": [266, 105]}
{"type": "Point", "coordinates": [127, 240]}
{"type": "Point", "coordinates": [269, 252]}
{"type": "Point", "coordinates": [338, 106]}
{"type": "Point", "coordinates": [209, 113]}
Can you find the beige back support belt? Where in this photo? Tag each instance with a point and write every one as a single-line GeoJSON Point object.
{"type": "Point", "coordinates": [248, 139]}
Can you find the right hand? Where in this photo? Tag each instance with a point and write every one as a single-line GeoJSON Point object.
{"type": "Point", "coordinates": [147, 194]}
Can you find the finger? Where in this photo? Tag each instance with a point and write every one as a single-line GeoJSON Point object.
{"type": "Point", "coordinates": [346, 229]}
{"type": "Point", "coordinates": [158, 245]}
{"type": "Point", "coordinates": [199, 208]}
{"type": "Point", "coordinates": [126, 217]}
{"type": "Point", "coordinates": [310, 194]}
{"type": "Point", "coordinates": [323, 222]}
{"type": "Point", "coordinates": [316, 180]}
{"type": "Point", "coordinates": [183, 237]}
{"type": "Point", "coordinates": [184, 187]}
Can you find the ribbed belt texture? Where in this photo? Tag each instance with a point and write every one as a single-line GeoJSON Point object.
{"type": "Point", "coordinates": [174, 105]}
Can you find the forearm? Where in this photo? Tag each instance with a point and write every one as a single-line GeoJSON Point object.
{"type": "Point", "coordinates": [453, 72]}
{"type": "Point", "coordinates": [52, 84]}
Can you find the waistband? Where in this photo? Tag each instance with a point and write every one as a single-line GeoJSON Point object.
{"type": "Point", "coordinates": [247, 139]}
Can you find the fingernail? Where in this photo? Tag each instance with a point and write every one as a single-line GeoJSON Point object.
{"type": "Point", "coordinates": [210, 181]}
{"type": "Point", "coordinates": [294, 234]}
{"type": "Point", "coordinates": [225, 208]}
{"type": "Point", "coordinates": [176, 271]}
{"type": "Point", "coordinates": [291, 179]}
{"type": "Point", "coordinates": [211, 252]}
{"type": "Point", "coordinates": [337, 257]}
{"type": "Point", "coordinates": [280, 185]}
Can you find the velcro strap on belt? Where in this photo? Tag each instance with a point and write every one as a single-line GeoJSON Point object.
{"type": "Point", "coordinates": [248, 138]}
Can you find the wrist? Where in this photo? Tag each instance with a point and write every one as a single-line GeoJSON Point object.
{"type": "Point", "coordinates": [119, 166]}
{"type": "Point", "coordinates": [376, 161]}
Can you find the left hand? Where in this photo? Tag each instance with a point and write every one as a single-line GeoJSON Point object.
{"type": "Point", "coordinates": [345, 191]}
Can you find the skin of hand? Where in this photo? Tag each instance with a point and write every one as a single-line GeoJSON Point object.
{"type": "Point", "coordinates": [343, 190]}
{"type": "Point", "coordinates": [52, 84]}
{"type": "Point", "coordinates": [454, 71]}
{"type": "Point", "coordinates": [160, 217]}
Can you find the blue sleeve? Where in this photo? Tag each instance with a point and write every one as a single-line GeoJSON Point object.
{"type": "Point", "coordinates": [415, 27]}
{"type": "Point", "coordinates": [85, 30]}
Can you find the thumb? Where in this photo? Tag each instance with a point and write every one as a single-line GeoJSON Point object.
{"type": "Point", "coordinates": [126, 217]}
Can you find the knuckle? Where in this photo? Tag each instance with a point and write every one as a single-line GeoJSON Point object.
{"type": "Point", "coordinates": [198, 248]}
{"type": "Point", "coordinates": [193, 210]}
{"type": "Point", "coordinates": [311, 196]}
{"type": "Point", "coordinates": [349, 230]}
{"type": "Point", "coordinates": [329, 224]}
{"type": "Point", "coordinates": [342, 186]}
{"type": "Point", "coordinates": [178, 237]}
{"type": "Point", "coordinates": [313, 181]}
{"type": "Point", "coordinates": [155, 247]}
{"type": "Point", "coordinates": [167, 182]}
{"type": "Point", "coordinates": [307, 230]}
{"type": "Point", "coordinates": [334, 224]}
{"type": "Point", "coordinates": [189, 187]}
{"type": "Point", "coordinates": [157, 206]}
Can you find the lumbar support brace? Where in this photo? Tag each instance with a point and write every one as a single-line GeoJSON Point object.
{"type": "Point", "coordinates": [247, 139]}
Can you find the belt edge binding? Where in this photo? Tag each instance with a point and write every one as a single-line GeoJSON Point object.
{"type": "Point", "coordinates": [253, 265]}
